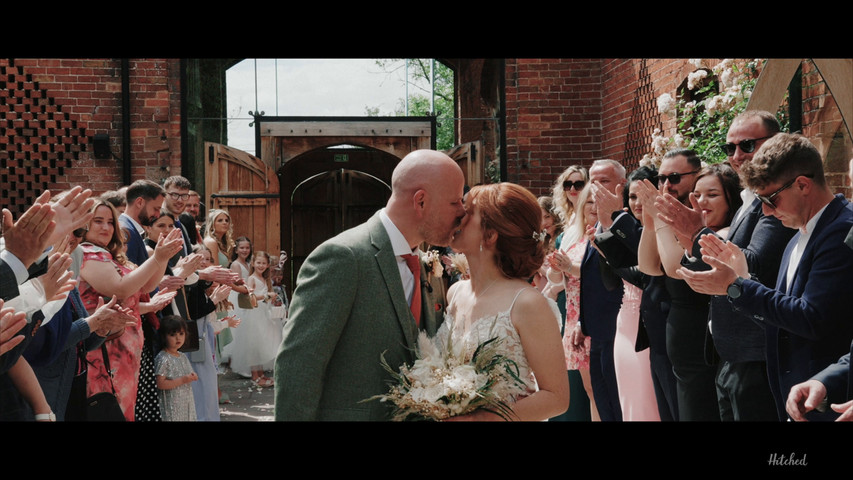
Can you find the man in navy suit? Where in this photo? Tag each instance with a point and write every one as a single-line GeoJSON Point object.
{"type": "Point", "coordinates": [144, 200]}
{"type": "Point", "coordinates": [805, 316]}
{"type": "Point", "coordinates": [743, 391]}
{"type": "Point", "coordinates": [600, 301]}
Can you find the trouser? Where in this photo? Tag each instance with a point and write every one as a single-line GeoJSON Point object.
{"type": "Point", "coordinates": [695, 379]}
{"type": "Point", "coordinates": [743, 392]}
{"type": "Point", "coordinates": [666, 389]}
{"type": "Point", "coordinates": [602, 373]}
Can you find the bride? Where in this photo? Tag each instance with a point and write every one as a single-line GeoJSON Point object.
{"type": "Point", "coordinates": [500, 239]}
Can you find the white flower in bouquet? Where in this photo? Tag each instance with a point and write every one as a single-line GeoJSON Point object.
{"type": "Point", "coordinates": [449, 379]}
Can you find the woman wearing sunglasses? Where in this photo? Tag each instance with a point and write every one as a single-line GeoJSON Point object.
{"type": "Point", "coordinates": [716, 193]}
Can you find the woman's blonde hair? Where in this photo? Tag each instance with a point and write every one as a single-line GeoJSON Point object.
{"type": "Point", "coordinates": [226, 242]}
{"type": "Point", "coordinates": [562, 204]}
{"type": "Point", "coordinates": [577, 227]}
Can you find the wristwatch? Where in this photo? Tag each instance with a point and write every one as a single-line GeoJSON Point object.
{"type": "Point", "coordinates": [45, 417]}
{"type": "Point", "coordinates": [735, 290]}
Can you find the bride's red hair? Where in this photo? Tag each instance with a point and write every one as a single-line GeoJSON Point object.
{"type": "Point", "coordinates": [513, 213]}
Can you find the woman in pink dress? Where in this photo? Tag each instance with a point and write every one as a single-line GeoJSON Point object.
{"type": "Point", "coordinates": [565, 267]}
{"type": "Point", "coordinates": [105, 272]}
{"type": "Point", "coordinates": [633, 369]}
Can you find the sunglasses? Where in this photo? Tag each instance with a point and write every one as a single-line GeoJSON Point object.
{"type": "Point", "coordinates": [80, 232]}
{"type": "Point", "coordinates": [577, 184]}
{"type": "Point", "coordinates": [768, 199]}
{"type": "Point", "coordinates": [746, 146]}
{"type": "Point", "coordinates": [673, 178]}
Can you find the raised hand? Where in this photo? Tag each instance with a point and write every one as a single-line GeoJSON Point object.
{"type": "Point", "coordinates": [607, 202]}
{"type": "Point", "coordinates": [57, 281]}
{"type": "Point", "coordinates": [219, 293]}
{"type": "Point", "coordinates": [73, 210]}
{"type": "Point", "coordinates": [686, 222]}
{"type": "Point", "coordinates": [28, 237]}
{"type": "Point", "coordinates": [161, 299]}
{"type": "Point", "coordinates": [11, 322]}
{"type": "Point", "coordinates": [168, 245]}
{"type": "Point", "coordinates": [219, 274]}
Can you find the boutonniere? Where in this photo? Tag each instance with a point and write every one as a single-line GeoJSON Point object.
{"type": "Point", "coordinates": [456, 263]}
{"type": "Point", "coordinates": [432, 261]}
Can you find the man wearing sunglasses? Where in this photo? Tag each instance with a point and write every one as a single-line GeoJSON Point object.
{"type": "Point", "coordinates": [743, 390]}
{"type": "Point", "coordinates": [805, 317]}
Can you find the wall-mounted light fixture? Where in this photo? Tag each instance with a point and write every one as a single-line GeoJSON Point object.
{"type": "Point", "coordinates": [101, 146]}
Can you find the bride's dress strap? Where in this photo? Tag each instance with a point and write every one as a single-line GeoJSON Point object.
{"type": "Point", "coordinates": [516, 297]}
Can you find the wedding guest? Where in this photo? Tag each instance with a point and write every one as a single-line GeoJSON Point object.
{"type": "Point", "coordinates": [661, 254]}
{"type": "Point", "coordinates": [743, 389]}
{"type": "Point", "coordinates": [619, 246]}
{"type": "Point", "coordinates": [805, 315]}
{"type": "Point", "coordinates": [117, 199]}
{"type": "Point", "coordinates": [105, 272]}
{"type": "Point", "coordinates": [564, 267]}
{"type": "Point", "coordinates": [356, 298]}
{"type": "Point", "coordinates": [497, 238]}
{"type": "Point", "coordinates": [601, 297]}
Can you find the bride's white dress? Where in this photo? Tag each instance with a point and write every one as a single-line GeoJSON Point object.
{"type": "Point", "coordinates": [488, 327]}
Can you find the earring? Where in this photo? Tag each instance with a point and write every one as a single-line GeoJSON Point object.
{"type": "Point", "coordinates": [481, 246]}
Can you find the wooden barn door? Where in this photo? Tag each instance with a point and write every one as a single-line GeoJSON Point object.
{"type": "Point", "coordinates": [248, 189]}
{"type": "Point", "coordinates": [328, 203]}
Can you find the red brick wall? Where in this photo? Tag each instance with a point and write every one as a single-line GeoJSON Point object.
{"type": "Point", "coordinates": [60, 104]}
{"type": "Point", "coordinates": [553, 112]}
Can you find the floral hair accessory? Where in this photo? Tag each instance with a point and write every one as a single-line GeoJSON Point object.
{"type": "Point", "coordinates": [540, 236]}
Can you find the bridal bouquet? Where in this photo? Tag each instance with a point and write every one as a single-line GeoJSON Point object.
{"type": "Point", "coordinates": [446, 380]}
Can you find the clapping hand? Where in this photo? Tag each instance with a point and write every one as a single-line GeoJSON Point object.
{"type": "Point", "coordinates": [168, 245]}
{"type": "Point", "coordinates": [11, 322]}
{"type": "Point", "coordinates": [110, 317]}
{"type": "Point", "coordinates": [607, 202]}
{"type": "Point", "coordinates": [686, 222]}
{"type": "Point", "coordinates": [171, 282]}
{"type": "Point", "coordinates": [219, 293]}
{"type": "Point", "coordinates": [161, 299]}
{"type": "Point", "coordinates": [219, 274]}
{"type": "Point", "coordinates": [727, 262]}
{"type": "Point", "coordinates": [73, 210]}
{"type": "Point", "coordinates": [29, 236]}
{"type": "Point", "coordinates": [185, 266]}
{"type": "Point", "coordinates": [57, 281]}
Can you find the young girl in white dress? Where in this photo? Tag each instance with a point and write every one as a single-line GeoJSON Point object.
{"type": "Point", "coordinates": [240, 263]}
{"type": "Point", "coordinates": [259, 335]}
{"type": "Point", "coordinates": [499, 239]}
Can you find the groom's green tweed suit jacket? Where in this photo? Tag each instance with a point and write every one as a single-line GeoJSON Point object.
{"type": "Point", "coordinates": [348, 308]}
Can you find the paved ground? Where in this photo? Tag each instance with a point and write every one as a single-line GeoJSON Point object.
{"type": "Point", "coordinates": [248, 402]}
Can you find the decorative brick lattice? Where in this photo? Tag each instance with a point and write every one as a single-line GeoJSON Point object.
{"type": "Point", "coordinates": [37, 140]}
{"type": "Point", "coordinates": [644, 119]}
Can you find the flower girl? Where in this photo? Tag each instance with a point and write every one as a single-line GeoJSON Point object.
{"type": "Point", "coordinates": [259, 335]}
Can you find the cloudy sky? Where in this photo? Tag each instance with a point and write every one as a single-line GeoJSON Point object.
{"type": "Point", "coordinates": [307, 87]}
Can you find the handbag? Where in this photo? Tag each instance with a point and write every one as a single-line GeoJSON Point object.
{"type": "Point", "coordinates": [104, 406]}
{"type": "Point", "coordinates": [246, 301]}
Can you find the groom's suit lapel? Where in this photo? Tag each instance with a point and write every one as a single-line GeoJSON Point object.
{"type": "Point", "coordinates": [387, 263]}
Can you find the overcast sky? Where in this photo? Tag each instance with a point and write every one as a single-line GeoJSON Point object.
{"type": "Point", "coordinates": [306, 87]}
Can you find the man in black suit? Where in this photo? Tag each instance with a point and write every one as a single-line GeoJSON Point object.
{"type": "Point", "coordinates": [743, 389]}
{"type": "Point", "coordinates": [806, 315]}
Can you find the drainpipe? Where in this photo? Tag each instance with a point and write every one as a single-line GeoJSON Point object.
{"type": "Point", "coordinates": [125, 119]}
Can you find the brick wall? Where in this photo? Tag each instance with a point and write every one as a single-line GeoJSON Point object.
{"type": "Point", "coordinates": [52, 108]}
{"type": "Point", "coordinates": [562, 112]}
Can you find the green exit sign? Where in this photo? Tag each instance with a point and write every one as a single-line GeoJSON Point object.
{"type": "Point", "coordinates": [341, 158]}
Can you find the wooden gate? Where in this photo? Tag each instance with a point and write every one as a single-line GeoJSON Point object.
{"type": "Point", "coordinates": [248, 189]}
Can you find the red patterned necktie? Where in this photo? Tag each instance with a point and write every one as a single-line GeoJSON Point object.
{"type": "Point", "coordinates": [414, 264]}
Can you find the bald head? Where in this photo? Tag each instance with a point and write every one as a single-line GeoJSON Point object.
{"type": "Point", "coordinates": [426, 197]}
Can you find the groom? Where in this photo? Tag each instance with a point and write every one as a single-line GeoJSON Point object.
{"type": "Point", "coordinates": [354, 295]}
